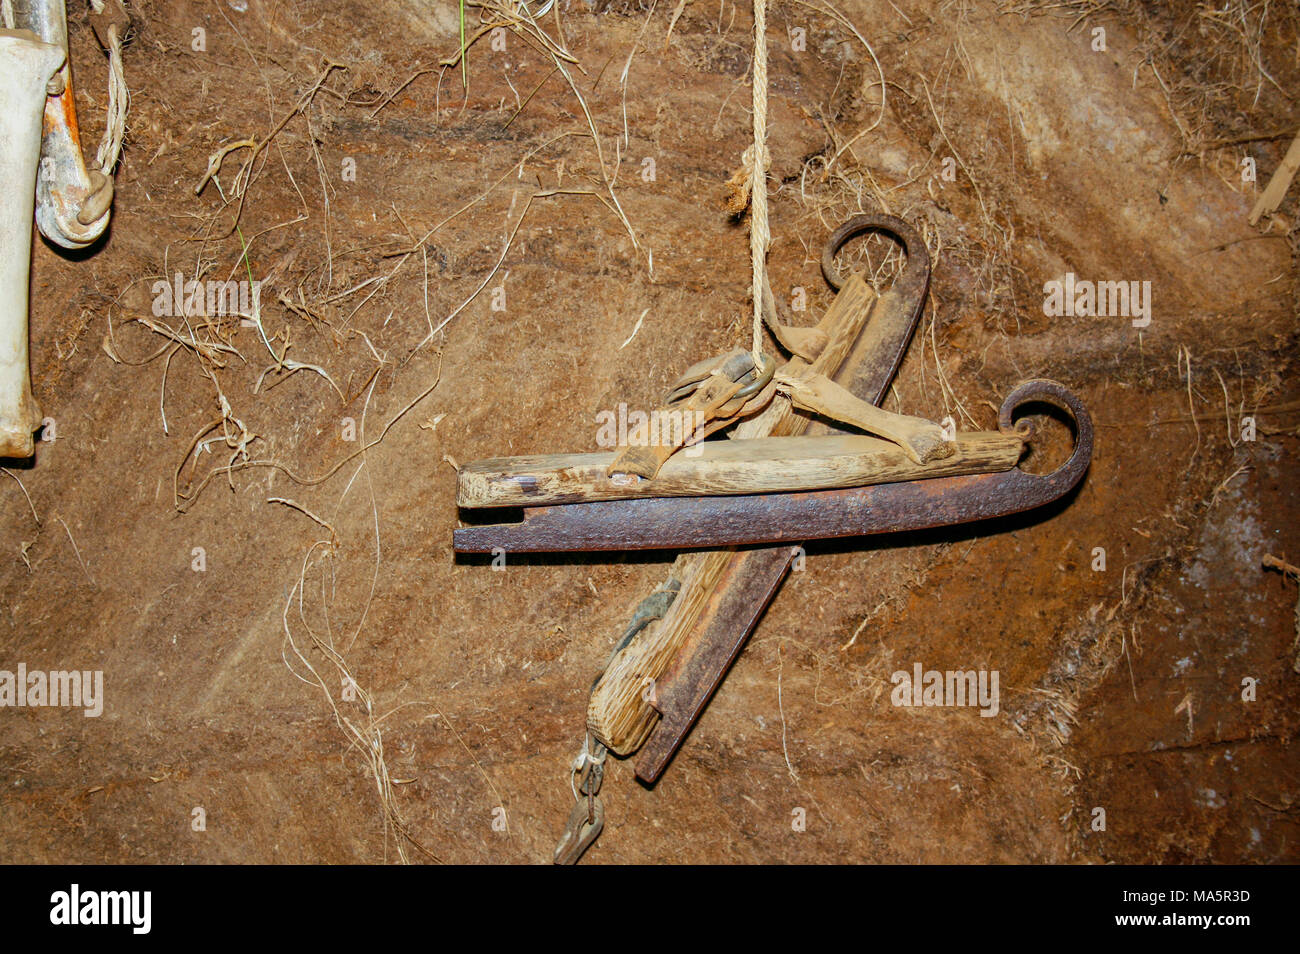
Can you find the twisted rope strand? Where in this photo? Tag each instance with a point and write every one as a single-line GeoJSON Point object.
{"type": "Point", "coordinates": [760, 235]}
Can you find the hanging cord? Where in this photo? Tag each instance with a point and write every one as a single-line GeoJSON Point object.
{"type": "Point", "coordinates": [760, 235]}
{"type": "Point", "coordinates": [119, 96]}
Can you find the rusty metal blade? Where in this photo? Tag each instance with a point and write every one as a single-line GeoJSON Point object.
{"type": "Point", "coordinates": [746, 587]}
{"type": "Point", "coordinates": [714, 522]}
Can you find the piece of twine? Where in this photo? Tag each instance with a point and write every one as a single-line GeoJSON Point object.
{"type": "Point", "coordinates": [119, 100]}
{"type": "Point", "coordinates": [760, 235]}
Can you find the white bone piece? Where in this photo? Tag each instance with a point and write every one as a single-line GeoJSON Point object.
{"type": "Point", "coordinates": [26, 66]}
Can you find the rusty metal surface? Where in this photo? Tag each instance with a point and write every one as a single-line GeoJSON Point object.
{"type": "Point", "coordinates": [714, 522]}
{"type": "Point", "coordinates": [874, 359]}
{"type": "Point", "coordinates": [746, 587]}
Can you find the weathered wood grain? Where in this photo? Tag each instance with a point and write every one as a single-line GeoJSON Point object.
{"type": "Point", "coordinates": [620, 713]}
{"type": "Point", "coordinates": [758, 465]}
{"type": "Point", "coordinates": [922, 440]}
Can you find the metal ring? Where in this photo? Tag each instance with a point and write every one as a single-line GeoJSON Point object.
{"type": "Point", "coordinates": [1045, 391]}
{"type": "Point", "coordinates": [760, 382]}
{"type": "Point", "coordinates": [918, 256]}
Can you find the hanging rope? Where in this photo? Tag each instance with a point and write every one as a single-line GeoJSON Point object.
{"type": "Point", "coordinates": [119, 97]}
{"type": "Point", "coordinates": [760, 236]}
